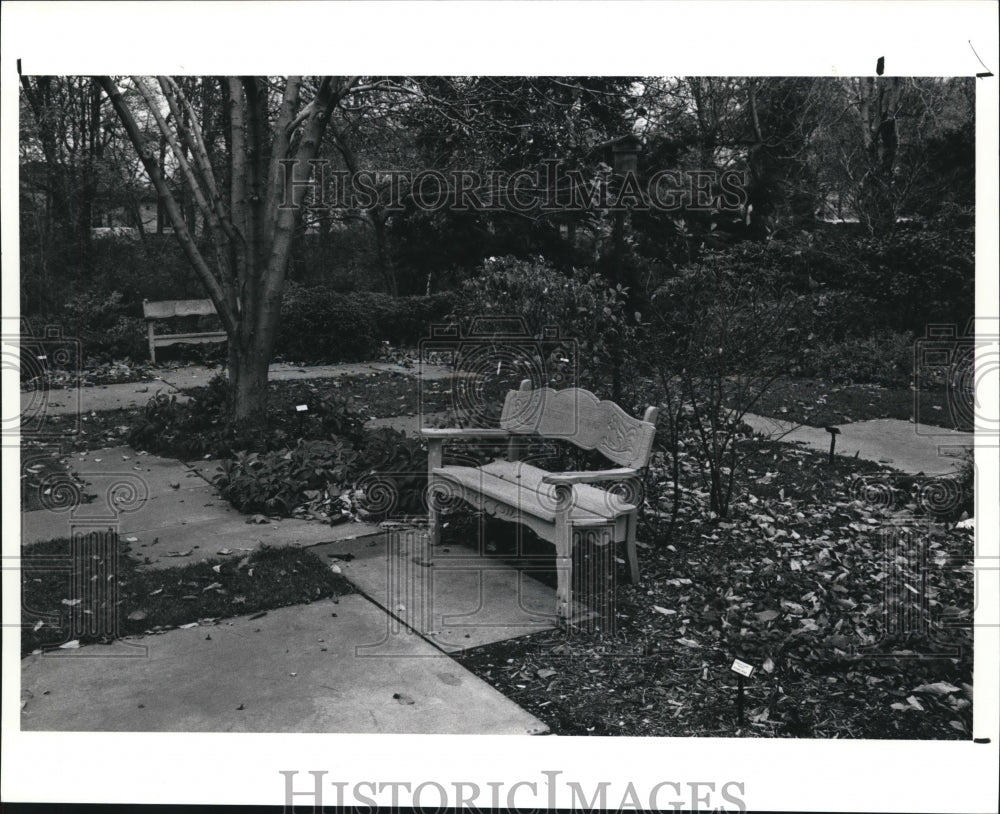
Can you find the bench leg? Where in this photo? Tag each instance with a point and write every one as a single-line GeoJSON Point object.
{"type": "Point", "coordinates": [630, 553]}
{"type": "Point", "coordinates": [564, 569]}
{"type": "Point", "coordinates": [434, 523]}
{"type": "Point", "coordinates": [434, 457]}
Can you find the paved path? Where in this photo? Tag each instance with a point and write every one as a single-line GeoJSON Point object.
{"type": "Point", "coordinates": [165, 508]}
{"type": "Point", "coordinates": [903, 445]}
{"type": "Point", "coordinates": [324, 667]}
{"type": "Point", "coordinates": [454, 595]}
{"type": "Point", "coordinates": [174, 380]}
{"type": "Point", "coordinates": [299, 669]}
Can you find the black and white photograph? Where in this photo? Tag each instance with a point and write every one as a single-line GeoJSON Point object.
{"type": "Point", "coordinates": [641, 406]}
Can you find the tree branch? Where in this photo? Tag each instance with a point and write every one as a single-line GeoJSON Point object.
{"type": "Point", "coordinates": [181, 232]}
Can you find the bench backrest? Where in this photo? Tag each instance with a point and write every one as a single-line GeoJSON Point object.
{"type": "Point", "coordinates": [166, 309]}
{"type": "Point", "coordinates": [578, 416]}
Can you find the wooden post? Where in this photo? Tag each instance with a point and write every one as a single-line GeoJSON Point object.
{"type": "Point", "coordinates": [564, 554]}
{"type": "Point", "coordinates": [434, 457]}
{"type": "Point", "coordinates": [514, 444]}
{"type": "Point", "coordinates": [834, 432]}
{"type": "Point", "coordinates": [739, 700]}
{"type": "Point", "coordinates": [630, 553]}
{"type": "Point", "coordinates": [152, 342]}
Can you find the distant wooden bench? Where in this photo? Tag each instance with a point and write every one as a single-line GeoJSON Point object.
{"type": "Point", "coordinates": [172, 309]}
{"type": "Point", "coordinates": [561, 508]}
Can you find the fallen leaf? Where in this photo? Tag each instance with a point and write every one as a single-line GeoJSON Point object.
{"type": "Point", "coordinates": [137, 616]}
{"type": "Point", "coordinates": [72, 602]}
{"type": "Point", "coordinates": [73, 645]}
{"type": "Point", "coordinates": [545, 672]}
{"type": "Point", "coordinates": [402, 698]}
{"type": "Point", "coordinates": [767, 616]}
{"type": "Point", "coordinates": [664, 611]}
{"type": "Point", "coordinates": [937, 688]}
{"type": "Point", "coordinates": [179, 553]}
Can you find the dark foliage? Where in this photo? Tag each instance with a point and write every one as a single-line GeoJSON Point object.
{"type": "Point", "coordinates": [197, 425]}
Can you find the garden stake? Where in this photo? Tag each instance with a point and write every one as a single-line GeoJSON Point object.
{"type": "Point", "coordinates": [742, 670]}
{"type": "Point", "coordinates": [739, 701]}
{"type": "Point", "coordinates": [834, 432]}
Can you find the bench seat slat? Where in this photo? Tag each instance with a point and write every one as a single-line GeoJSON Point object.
{"type": "Point", "coordinates": [205, 336]}
{"type": "Point", "coordinates": [520, 485]}
{"type": "Point", "coordinates": [167, 309]}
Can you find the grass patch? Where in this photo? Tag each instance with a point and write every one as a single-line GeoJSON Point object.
{"type": "Point", "coordinates": [67, 589]}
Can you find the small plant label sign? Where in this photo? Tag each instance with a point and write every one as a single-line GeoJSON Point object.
{"type": "Point", "coordinates": [301, 408]}
{"type": "Point", "coordinates": [742, 668]}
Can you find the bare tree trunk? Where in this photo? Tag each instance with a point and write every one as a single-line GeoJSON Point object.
{"type": "Point", "coordinates": [878, 99]}
{"type": "Point", "coordinates": [250, 225]}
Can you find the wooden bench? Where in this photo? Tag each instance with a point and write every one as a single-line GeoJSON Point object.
{"type": "Point", "coordinates": [172, 309]}
{"type": "Point", "coordinates": [561, 508]}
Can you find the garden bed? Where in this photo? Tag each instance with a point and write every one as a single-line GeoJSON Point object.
{"type": "Point", "coordinates": [821, 403]}
{"type": "Point", "coordinates": [804, 581]}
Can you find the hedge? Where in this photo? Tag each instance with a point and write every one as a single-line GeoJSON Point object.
{"type": "Point", "coordinates": [319, 325]}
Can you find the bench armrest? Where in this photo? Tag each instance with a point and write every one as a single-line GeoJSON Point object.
{"type": "Point", "coordinates": [464, 432]}
{"type": "Point", "coordinates": [570, 478]}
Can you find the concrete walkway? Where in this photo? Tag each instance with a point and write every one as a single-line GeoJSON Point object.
{"type": "Point", "coordinates": [169, 512]}
{"type": "Point", "coordinates": [298, 669]}
{"type": "Point", "coordinates": [903, 445]}
{"type": "Point", "coordinates": [354, 665]}
{"type": "Point", "coordinates": [454, 595]}
{"type": "Point", "coordinates": [174, 380]}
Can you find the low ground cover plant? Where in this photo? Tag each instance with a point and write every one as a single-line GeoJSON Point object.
{"type": "Point", "coordinates": [195, 426]}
